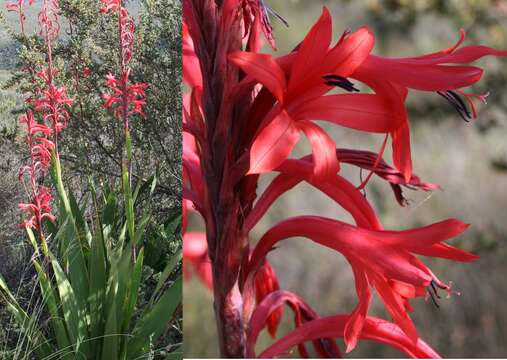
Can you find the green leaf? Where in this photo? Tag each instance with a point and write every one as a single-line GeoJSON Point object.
{"type": "Point", "coordinates": [97, 293]}
{"type": "Point", "coordinates": [74, 318]}
{"type": "Point", "coordinates": [165, 274]}
{"type": "Point", "coordinates": [28, 325]}
{"type": "Point", "coordinates": [133, 293]}
{"type": "Point", "coordinates": [155, 320]}
{"type": "Point", "coordinates": [52, 305]}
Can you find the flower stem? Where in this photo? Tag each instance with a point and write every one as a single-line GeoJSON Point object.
{"type": "Point", "coordinates": [229, 319]}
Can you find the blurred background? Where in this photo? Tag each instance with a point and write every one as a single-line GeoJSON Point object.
{"type": "Point", "coordinates": [469, 161]}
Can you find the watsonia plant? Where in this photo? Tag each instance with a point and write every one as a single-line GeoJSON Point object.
{"type": "Point", "coordinates": [89, 267]}
{"type": "Point", "coordinates": [242, 118]}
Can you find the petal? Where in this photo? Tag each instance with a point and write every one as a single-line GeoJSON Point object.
{"type": "Point", "coordinates": [364, 112]}
{"type": "Point", "coordinates": [425, 236]}
{"type": "Point", "coordinates": [395, 305]}
{"type": "Point", "coordinates": [194, 245]}
{"type": "Point", "coordinates": [325, 347]}
{"type": "Point", "coordinates": [323, 149]}
{"type": "Point", "coordinates": [385, 259]}
{"type": "Point", "coordinates": [401, 150]}
{"type": "Point", "coordinates": [375, 329]}
{"type": "Point", "coordinates": [273, 144]}
{"type": "Point", "coordinates": [350, 53]}
{"type": "Point", "coordinates": [262, 68]}
{"type": "Point", "coordinates": [443, 250]}
{"type": "Point", "coordinates": [266, 283]}
{"type": "Point", "coordinates": [337, 188]}
{"type": "Point", "coordinates": [423, 77]}
{"type": "Point", "coordinates": [311, 54]}
{"type": "Point", "coordinates": [354, 326]}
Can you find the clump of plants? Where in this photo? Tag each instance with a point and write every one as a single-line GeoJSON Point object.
{"type": "Point", "coordinates": [89, 257]}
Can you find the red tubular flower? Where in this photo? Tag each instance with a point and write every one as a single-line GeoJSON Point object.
{"type": "Point", "coordinates": [242, 119]}
{"type": "Point", "coordinates": [51, 103]}
{"type": "Point", "coordinates": [266, 283]}
{"type": "Point", "coordinates": [122, 92]}
{"type": "Point", "coordinates": [382, 258]}
{"type": "Point", "coordinates": [195, 253]}
{"type": "Point", "coordinates": [17, 6]}
{"type": "Point", "coordinates": [124, 98]}
{"type": "Point", "coordinates": [40, 155]}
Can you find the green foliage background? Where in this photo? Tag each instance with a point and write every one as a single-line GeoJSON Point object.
{"type": "Point", "coordinates": [467, 160]}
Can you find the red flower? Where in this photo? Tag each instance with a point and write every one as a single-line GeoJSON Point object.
{"type": "Point", "coordinates": [126, 28]}
{"type": "Point", "coordinates": [242, 119]}
{"type": "Point", "coordinates": [51, 102]}
{"type": "Point", "coordinates": [133, 95]}
{"type": "Point", "coordinates": [39, 208]}
{"type": "Point", "coordinates": [17, 6]}
{"type": "Point", "coordinates": [266, 283]}
{"type": "Point", "coordinates": [195, 253]}
{"type": "Point", "coordinates": [125, 99]}
{"type": "Point", "coordinates": [382, 259]}
{"type": "Point", "coordinates": [49, 22]}
{"type": "Point", "coordinates": [40, 155]}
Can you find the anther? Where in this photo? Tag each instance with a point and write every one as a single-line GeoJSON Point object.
{"type": "Point", "coordinates": [267, 11]}
{"type": "Point", "coordinates": [339, 81]}
{"type": "Point", "coordinates": [457, 103]}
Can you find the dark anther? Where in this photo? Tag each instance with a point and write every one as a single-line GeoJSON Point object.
{"type": "Point", "coordinates": [434, 288]}
{"type": "Point", "coordinates": [457, 103]}
{"type": "Point", "coordinates": [432, 294]}
{"type": "Point", "coordinates": [267, 11]}
{"type": "Point", "coordinates": [340, 81]}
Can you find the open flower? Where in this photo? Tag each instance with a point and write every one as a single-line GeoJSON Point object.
{"type": "Point", "coordinates": [382, 259]}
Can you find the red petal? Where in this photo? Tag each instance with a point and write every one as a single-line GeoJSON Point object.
{"type": "Point", "coordinates": [446, 251]}
{"type": "Point", "coordinates": [323, 149]}
{"type": "Point", "coordinates": [354, 327]}
{"type": "Point", "coordinates": [364, 112]}
{"type": "Point", "coordinates": [423, 77]}
{"type": "Point", "coordinates": [376, 254]}
{"type": "Point", "coordinates": [268, 306]}
{"type": "Point", "coordinates": [349, 54]}
{"type": "Point", "coordinates": [425, 236]}
{"type": "Point", "coordinates": [194, 245]}
{"type": "Point", "coordinates": [374, 329]}
{"type": "Point", "coordinates": [401, 151]}
{"type": "Point", "coordinates": [311, 54]}
{"type": "Point", "coordinates": [395, 305]}
{"type": "Point", "coordinates": [262, 68]}
{"type": "Point", "coordinates": [273, 144]}
{"type": "Point", "coordinates": [337, 188]}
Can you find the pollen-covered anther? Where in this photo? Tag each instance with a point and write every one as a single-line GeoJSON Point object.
{"type": "Point", "coordinates": [340, 81]}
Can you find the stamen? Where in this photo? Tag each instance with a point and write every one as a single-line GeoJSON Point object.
{"type": "Point", "coordinates": [267, 11]}
{"type": "Point", "coordinates": [432, 296]}
{"type": "Point", "coordinates": [433, 288]}
{"type": "Point", "coordinates": [339, 81]}
{"type": "Point", "coordinates": [346, 33]}
{"type": "Point", "coordinates": [457, 102]}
